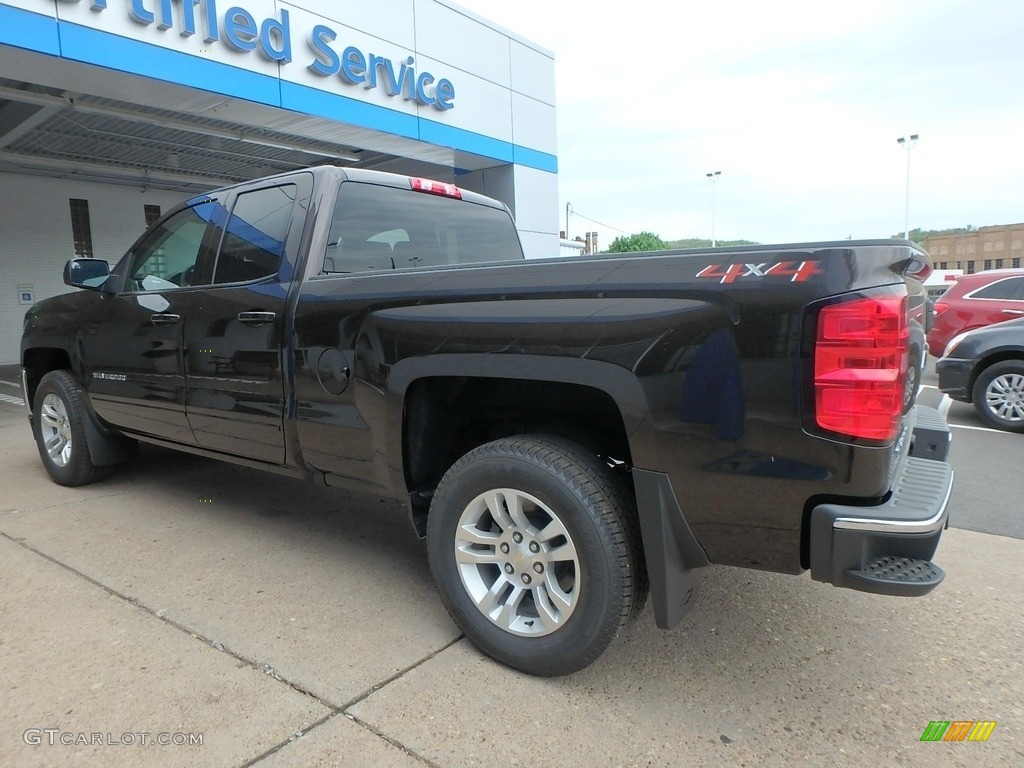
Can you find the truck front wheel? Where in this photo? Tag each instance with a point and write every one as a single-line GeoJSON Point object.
{"type": "Point", "coordinates": [59, 427]}
{"type": "Point", "coordinates": [534, 546]}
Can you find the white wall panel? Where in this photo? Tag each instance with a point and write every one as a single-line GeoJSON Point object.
{"type": "Point", "coordinates": [41, 7]}
{"type": "Point", "coordinates": [480, 105]}
{"type": "Point", "coordinates": [536, 207]}
{"type": "Point", "coordinates": [447, 35]}
{"type": "Point", "coordinates": [533, 124]}
{"type": "Point", "coordinates": [533, 73]}
{"type": "Point", "coordinates": [497, 182]}
{"type": "Point", "coordinates": [536, 200]}
{"type": "Point", "coordinates": [395, 16]}
{"type": "Point", "coordinates": [539, 245]}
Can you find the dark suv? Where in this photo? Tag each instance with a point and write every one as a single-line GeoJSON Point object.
{"type": "Point", "coordinates": [986, 367]}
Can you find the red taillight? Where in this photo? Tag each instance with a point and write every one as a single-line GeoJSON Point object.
{"type": "Point", "coordinates": [940, 308]}
{"type": "Point", "coordinates": [860, 366]}
{"type": "Point", "coordinates": [436, 188]}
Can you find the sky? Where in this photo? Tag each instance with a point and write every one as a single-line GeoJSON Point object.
{"type": "Point", "coordinates": [798, 103]}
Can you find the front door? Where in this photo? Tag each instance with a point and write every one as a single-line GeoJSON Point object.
{"type": "Point", "coordinates": [136, 376]}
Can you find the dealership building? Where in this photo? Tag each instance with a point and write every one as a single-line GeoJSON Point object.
{"type": "Point", "coordinates": [112, 111]}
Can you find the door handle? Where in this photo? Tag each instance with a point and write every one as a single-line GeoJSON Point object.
{"type": "Point", "coordinates": [1013, 311]}
{"type": "Point", "coordinates": [256, 318]}
{"type": "Point", "coordinates": [164, 319]}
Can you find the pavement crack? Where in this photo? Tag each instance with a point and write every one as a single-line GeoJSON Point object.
{"type": "Point", "coordinates": [160, 614]}
{"type": "Point", "coordinates": [278, 747]}
{"type": "Point", "coordinates": [333, 710]}
{"type": "Point", "coordinates": [342, 710]}
{"type": "Point", "coordinates": [399, 674]}
{"type": "Point", "coordinates": [326, 719]}
{"type": "Point", "coordinates": [393, 742]}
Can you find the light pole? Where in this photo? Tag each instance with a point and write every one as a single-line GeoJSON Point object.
{"type": "Point", "coordinates": [713, 176]}
{"type": "Point", "coordinates": [568, 210]}
{"type": "Point", "coordinates": [908, 143]}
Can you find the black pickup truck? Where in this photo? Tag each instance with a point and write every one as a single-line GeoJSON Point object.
{"type": "Point", "coordinates": [569, 433]}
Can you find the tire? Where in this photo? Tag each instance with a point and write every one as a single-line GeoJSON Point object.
{"type": "Point", "coordinates": [534, 545]}
{"type": "Point", "coordinates": [998, 395]}
{"type": "Point", "coordinates": [913, 380]}
{"type": "Point", "coordinates": [59, 429]}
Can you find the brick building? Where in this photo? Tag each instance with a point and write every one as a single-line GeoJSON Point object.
{"type": "Point", "coordinates": [996, 247]}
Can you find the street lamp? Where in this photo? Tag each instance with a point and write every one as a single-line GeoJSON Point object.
{"type": "Point", "coordinates": [908, 143]}
{"type": "Point", "coordinates": [713, 177]}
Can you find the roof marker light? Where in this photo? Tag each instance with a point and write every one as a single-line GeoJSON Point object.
{"type": "Point", "coordinates": [435, 188]}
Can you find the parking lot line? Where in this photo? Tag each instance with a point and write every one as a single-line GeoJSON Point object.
{"type": "Point", "coordinates": [944, 405]}
{"type": "Point", "coordinates": [982, 429]}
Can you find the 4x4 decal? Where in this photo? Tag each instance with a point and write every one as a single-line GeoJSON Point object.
{"type": "Point", "coordinates": [796, 271]}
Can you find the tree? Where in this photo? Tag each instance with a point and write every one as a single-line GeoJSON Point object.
{"type": "Point", "coordinates": [918, 235]}
{"type": "Point", "coordinates": [642, 241]}
{"type": "Point", "coordinates": [700, 242]}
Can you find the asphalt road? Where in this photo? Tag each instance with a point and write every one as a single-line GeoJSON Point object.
{"type": "Point", "coordinates": [989, 466]}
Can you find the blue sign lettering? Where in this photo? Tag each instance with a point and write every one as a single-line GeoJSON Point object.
{"type": "Point", "coordinates": [319, 41]}
{"type": "Point", "coordinates": [240, 31]}
{"type": "Point", "coordinates": [138, 13]}
{"type": "Point", "coordinates": [353, 66]}
{"type": "Point", "coordinates": [212, 34]}
{"type": "Point", "coordinates": [370, 70]}
{"type": "Point", "coordinates": [276, 39]}
{"type": "Point", "coordinates": [422, 82]}
{"type": "Point", "coordinates": [445, 93]}
{"type": "Point", "coordinates": [272, 39]}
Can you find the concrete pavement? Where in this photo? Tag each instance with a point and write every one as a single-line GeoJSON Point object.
{"type": "Point", "coordinates": [291, 625]}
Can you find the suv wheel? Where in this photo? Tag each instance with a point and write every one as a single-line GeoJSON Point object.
{"type": "Point", "coordinates": [998, 395]}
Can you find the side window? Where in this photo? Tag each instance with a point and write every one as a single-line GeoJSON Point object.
{"type": "Point", "coordinates": [167, 257]}
{"type": "Point", "coordinates": [254, 239]}
{"type": "Point", "coordinates": [1011, 288]}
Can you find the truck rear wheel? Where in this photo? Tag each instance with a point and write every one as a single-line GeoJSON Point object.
{"type": "Point", "coordinates": [59, 428]}
{"type": "Point", "coordinates": [534, 545]}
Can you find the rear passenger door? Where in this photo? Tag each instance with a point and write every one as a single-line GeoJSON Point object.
{"type": "Point", "coordinates": [383, 248]}
{"type": "Point", "coordinates": [235, 333]}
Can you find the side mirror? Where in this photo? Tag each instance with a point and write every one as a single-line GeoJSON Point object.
{"type": "Point", "coordinates": [86, 273]}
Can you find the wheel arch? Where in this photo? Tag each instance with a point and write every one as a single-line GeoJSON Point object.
{"type": "Point", "coordinates": [458, 397]}
{"type": "Point", "coordinates": [39, 361]}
